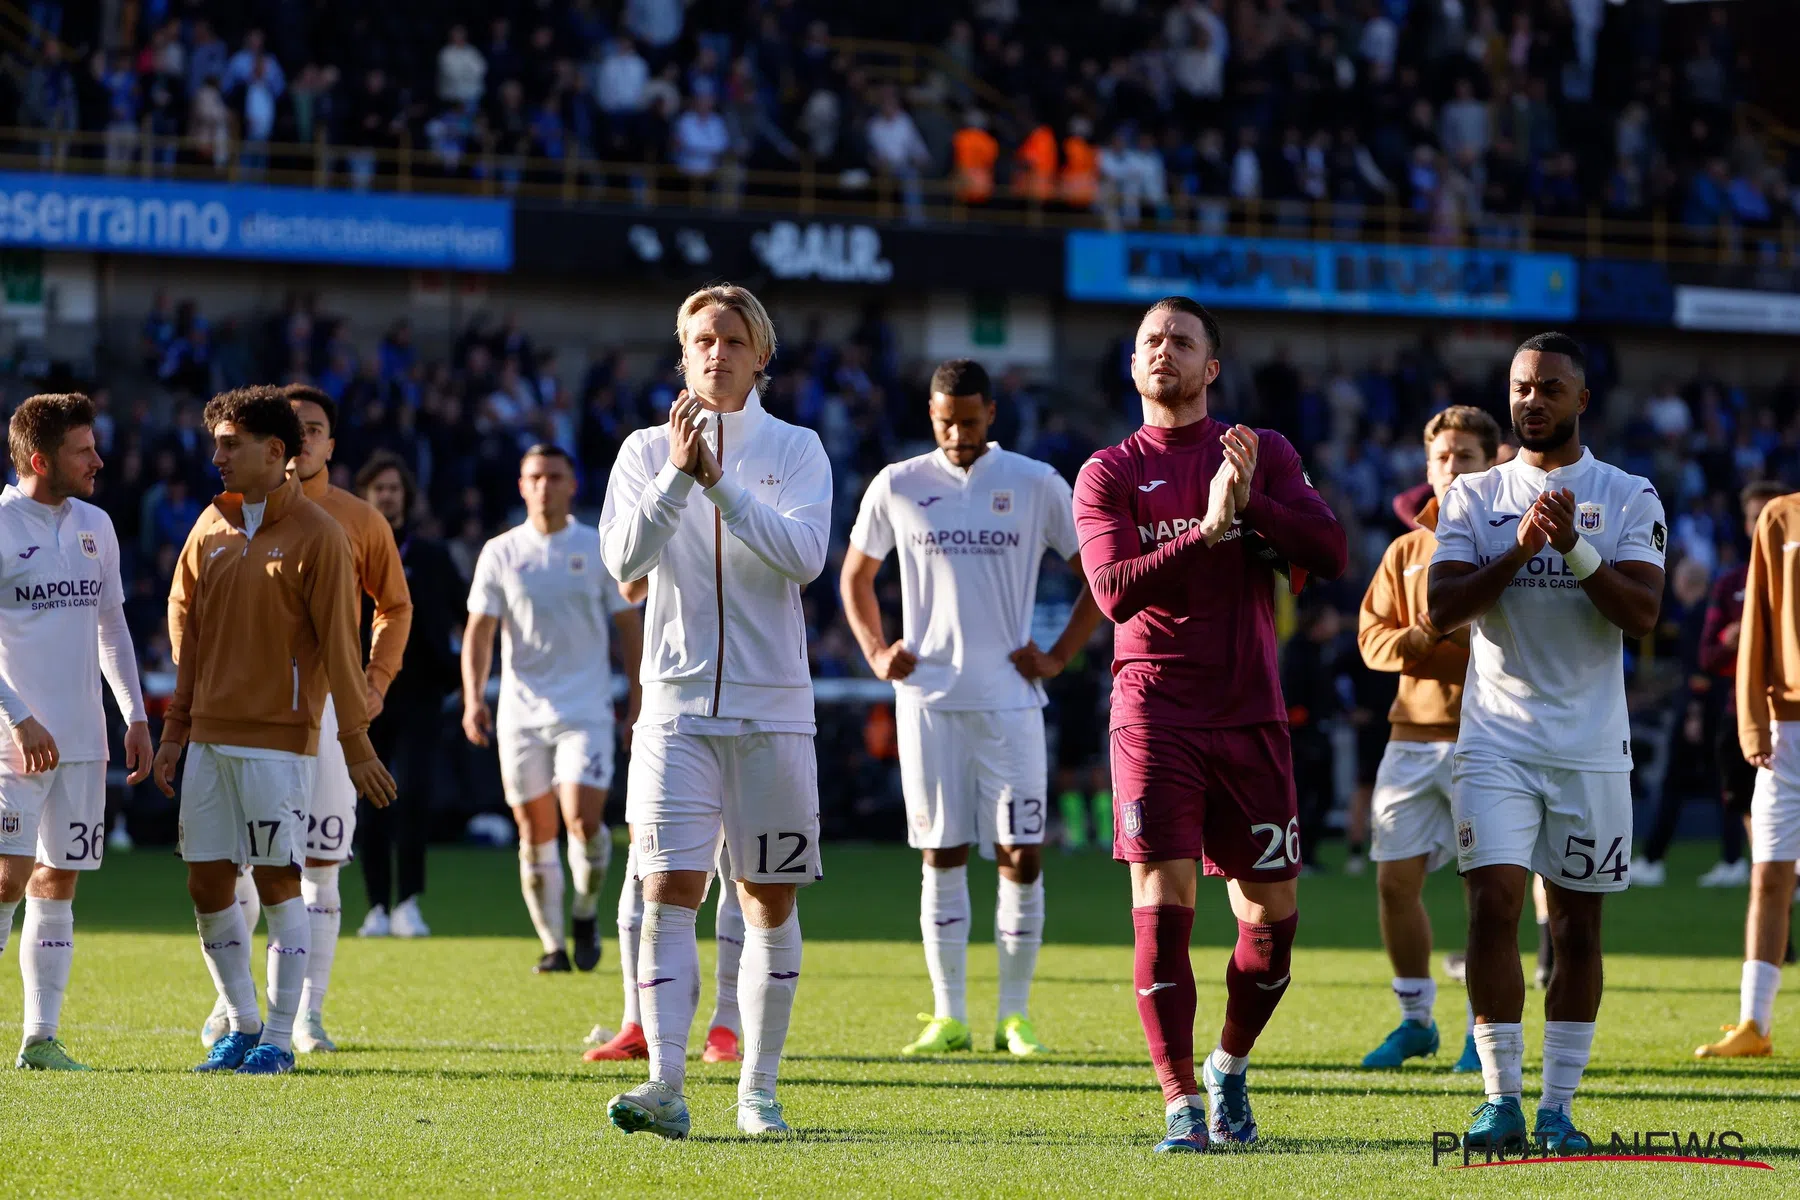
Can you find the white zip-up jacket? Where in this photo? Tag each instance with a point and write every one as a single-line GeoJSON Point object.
{"type": "Point", "coordinates": [723, 631]}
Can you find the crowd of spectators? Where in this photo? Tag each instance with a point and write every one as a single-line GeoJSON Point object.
{"type": "Point", "coordinates": [1461, 113]}
{"type": "Point", "coordinates": [460, 423]}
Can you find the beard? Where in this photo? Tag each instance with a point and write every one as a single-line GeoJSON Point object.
{"type": "Point", "coordinates": [1558, 437]}
{"type": "Point", "coordinates": [1164, 392]}
{"type": "Point", "coordinates": [65, 484]}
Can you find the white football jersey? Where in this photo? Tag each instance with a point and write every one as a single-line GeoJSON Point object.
{"type": "Point", "coordinates": [59, 580]}
{"type": "Point", "coordinates": [555, 602]}
{"type": "Point", "coordinates": [970, 543]}
{"type": "Point", "coordinates": [1546, 680]}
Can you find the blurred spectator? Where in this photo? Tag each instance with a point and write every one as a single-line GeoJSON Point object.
{"type": "Point", "coordinates": [252, 61]}
{"type": "Point", "coordinates": [897, 150]}
{"type": "Point", "coordinates": [656, 24]}
{"type": "Point", "coordinates": [461, 71]}
{"type": "Point", "coordinates": [700, 139]}
{"type": "Point", "coordinates": [619, 86]}
{"type": "Point", "coordinates": [207, 57]}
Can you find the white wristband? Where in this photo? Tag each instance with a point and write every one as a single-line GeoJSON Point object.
{"type": "Point", "coordinates": [1583, 560]}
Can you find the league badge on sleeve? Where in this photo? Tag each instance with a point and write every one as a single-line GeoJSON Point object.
{"type": "Point", "coordinates": [90, 545]}
{"type": "Point", "coordinates": [1659, 536]}
{"type": "Point", "coordinates": [1590, 518]}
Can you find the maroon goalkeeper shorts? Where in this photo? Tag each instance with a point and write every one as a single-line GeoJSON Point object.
{"type": "Point", "coordinates": [1222, 796]}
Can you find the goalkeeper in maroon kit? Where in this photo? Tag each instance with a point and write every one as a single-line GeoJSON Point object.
{"type": "Point", "coordinates": [1183, 527]}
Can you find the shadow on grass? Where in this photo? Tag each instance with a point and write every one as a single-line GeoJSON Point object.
{"type": "Point", "coordinates": [1131, 1141]}
{"type": "Point", "coordinates": [871, 895]}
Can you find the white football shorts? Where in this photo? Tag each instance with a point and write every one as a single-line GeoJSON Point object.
{"type": "Point", "coordinates": [1409, 815]}
{"type": "Point", "coordinates": [245, 809]}
{"type": "Point", "coordinates": [57, 816]}
{"type": "Point", "coordinates": [1775, 801]}
{"type": "Point", "coordinates": [1572, 827]}
{"type": "Point", "coordinates": [331, 816]}
{"type": "Point", "coordinates": [759, 791]}
{"type": "Point", "coordinates": [534, 759]}
{"type": "Point", "coordinates": [972, 778]}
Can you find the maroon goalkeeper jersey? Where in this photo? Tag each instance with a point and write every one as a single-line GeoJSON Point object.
{"type": "Point", "coordinates": [1195, 645]}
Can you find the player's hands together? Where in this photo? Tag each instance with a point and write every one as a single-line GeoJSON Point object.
{"type": "Point", "coordinates": [687, 440]}
{"type": "Point", "coordinates": [893, 662]}
{"type": "Point", "coordinates": [1553, 514]}
{"type": "Point", "coordinates": [1033, 663]}
{"type": "Point", "coordinates": [1221, 504]}
{"type": "Point", "coordinates": [373, 701]}
{"type": "Point", "coordinates": [1241, 445]}
{"type": "Point", "coordinates": [138, 751]}
{"type": "Point", "coordinates": [1532, 537]}
{"type": "Point", "coordinates": [1759, 761]}
{"type": "Point", "coordinates": [162, 771]}
{"type": "Point", "coordinates": [373, 783]}
{"type": "Point", "coordinates": [477, 722]}
{"type": "Point", "coordinates": [36, 745]}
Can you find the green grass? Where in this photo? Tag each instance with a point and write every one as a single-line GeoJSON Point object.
{"type": "Point", "coordinates": [461, 1075]}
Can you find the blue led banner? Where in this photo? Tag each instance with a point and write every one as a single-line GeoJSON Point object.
{"type": "Point", "coordinates": [1320, 276]}
{"type": "Point", "coordinates": [129, 216]}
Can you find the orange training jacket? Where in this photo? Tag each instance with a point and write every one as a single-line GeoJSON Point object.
{"type": "Point", "coordinates": [379, 574]}
{"type": "Point", "coordinates": [269, 625]}
{"type": "Point", "coordinates": [1768, 664]}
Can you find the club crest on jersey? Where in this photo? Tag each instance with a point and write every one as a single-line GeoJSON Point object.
{"type": "Point", "coordinates": [1590, 518]}
{"type": "Point", "coordinates": [1001, 501]}
{"type": "Point", "coordinates": [578, 564]}
{"type": "Point", "coordinates": [1131, 817]}
{"type": "Point", "coordinates": [90, 545]}
{"type": "Point", "coordinates": [9, 824]}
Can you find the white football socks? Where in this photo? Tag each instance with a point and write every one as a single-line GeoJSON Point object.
{"type": "Point", "coordinates": [290, 932]}
{"type": "Point", "coordinates": [668, 988]}
{"type": "Point", "coordinates": [1566, 1048]}
{"type": "Point", "coordinates": [46, 950]}
{"type": "Point", "coordinates": [249, 899]}
{"type": "Point", "coordinates": [6, 920]}
{"type": "Point", "coordinates": [324, 914]}
{"type": "Point", "coordinates": [1416, 997]}
{"type": "Point", "coordinates": [771, 969]}
{"type": "Point", "coordinates": [1229, 1064]}
{"type": "Point", "coordinates": [1502, 1051]}
{"type": "Point", "coordinates": [631, 926]}
{"type": "Point", "coordinates": [1756, 994]}
{"type": "Point", "coordinates": [944, 926]}
{"type": "Point", "coordinates": [728, 930]}
{"type": "Point", "coordinates": [541, 882]}
{"type": "Point", "coordinates": [587, 871]}
{"type": "Point", "coordinates": [225, 944]}
{"type": "Point", "coordinates": [1018, 936]}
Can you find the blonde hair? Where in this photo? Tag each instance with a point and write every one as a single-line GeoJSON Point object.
{"type": "Point", "coordinates": [741, 301]}
{"type": "Point", "coordinates": [1466, 418]}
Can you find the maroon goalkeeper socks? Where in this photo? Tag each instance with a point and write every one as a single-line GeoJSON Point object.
{"type": "Point", "coordinates": [1255, 980]}
{"type": "Point", "coordinates": [1164, 978]}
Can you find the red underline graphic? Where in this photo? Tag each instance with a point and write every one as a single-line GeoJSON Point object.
{"type": "Point", "coordinates": [1655, 1158]}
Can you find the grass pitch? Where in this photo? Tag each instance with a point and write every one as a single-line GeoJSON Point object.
{"type": "Point", "coordinates": [460, 1072]}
